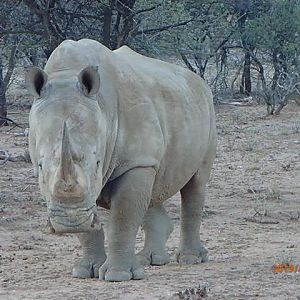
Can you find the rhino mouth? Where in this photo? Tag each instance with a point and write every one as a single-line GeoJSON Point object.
{"type": "Point", "coordinates": [72, 220]}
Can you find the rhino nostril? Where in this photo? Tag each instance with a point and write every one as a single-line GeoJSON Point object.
{"type": "Point", "coordinates": [68, 191]}
{"type": "Point", "coordinates": [70, 185]}
{"type": "Point", "coordinates": [77, 157]}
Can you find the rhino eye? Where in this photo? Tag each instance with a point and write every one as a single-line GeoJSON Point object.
{"type": "Point", "coordinates": [77, 157]}
{"type": "Point", "coordinates": [40, 166]}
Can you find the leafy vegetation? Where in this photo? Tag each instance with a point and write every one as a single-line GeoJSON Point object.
{"type": "Point", "coordinates": [233, 44]}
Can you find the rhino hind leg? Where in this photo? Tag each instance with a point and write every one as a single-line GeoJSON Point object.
{"type": "Point", "coordinates": [158, 227]}
{"type": "Point", "coordinates": [191, 250]}
{"type": "Point", "coordinates": [93, 255]}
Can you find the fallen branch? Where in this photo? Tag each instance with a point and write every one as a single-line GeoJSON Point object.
{"type": "Point", "coordinates": [21, 144]}
{"type": "Point", "coordinates": [236, 103]}
{"type": "Point", "coordinates": [10, 120]}
{"type": "Point", "coordinates": [260, 220]}
{"type": "Point", "coordinates": [5, 157]}
{"type": "Point", "coordinates": [24, 133]}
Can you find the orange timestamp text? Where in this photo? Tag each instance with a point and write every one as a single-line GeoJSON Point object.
{"type": "Point", "coordinates": [286, 268]}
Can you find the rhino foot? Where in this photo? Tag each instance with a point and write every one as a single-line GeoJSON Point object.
{"type": "Point", "coordinates": [112, 272]}
{"type": "Point", "coordinates": [87, 267]}
{"type": "Point", "coordinates": [154, 258]}
{"type": "Point", "coordinates": [93, 254]}
{"type": "Point", "coordinates": [190, 258]}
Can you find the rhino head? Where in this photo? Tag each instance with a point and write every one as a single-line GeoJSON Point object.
{"type": "Point", "coordinates": [67, 142]}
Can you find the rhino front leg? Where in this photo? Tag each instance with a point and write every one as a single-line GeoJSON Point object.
{"type": "Point", "coordinates": [93, 254]}
{"type": "Point", "coordinates": [191, 250]}
{"type": "Point", "coordinates": [158, 227]}
{"type": "Point", "coordinates": [130, 198]}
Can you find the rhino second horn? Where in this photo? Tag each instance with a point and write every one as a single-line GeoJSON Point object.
{"type": "Point", "coordinates": [67, 168]}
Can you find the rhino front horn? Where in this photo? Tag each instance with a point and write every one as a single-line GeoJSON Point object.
{"type": "Point", "coordinates": [66, 186]}
{"type": "Point", "coordinates": [67, 169]}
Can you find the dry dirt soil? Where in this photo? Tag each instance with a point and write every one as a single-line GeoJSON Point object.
{"type": "Point", "coordinates": [251, 221]}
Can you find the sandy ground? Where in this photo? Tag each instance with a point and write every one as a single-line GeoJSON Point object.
{"type": "Point", "coordinates": [251, 221]}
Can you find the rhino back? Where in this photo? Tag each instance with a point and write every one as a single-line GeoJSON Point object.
{"type": "Point", "coordinates": [167, 120]}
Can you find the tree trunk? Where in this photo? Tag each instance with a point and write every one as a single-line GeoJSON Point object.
{"type": "Point", "coordinates": [3, 105]}
{"type": "Point", "coordinates": [243, 8]}
{"type": "Point", "coordinates": [4, 82]}
{"type": "Point", "coordinates": [3, 109]}
{"type": "Point", "coordinates": [106, 33]}
{"type": "Point", "coordinates": [246, 85]}
{"type": "Point", "coordinates": [126, 6]}
{"type": "Point", "coordinates": [276, 69]}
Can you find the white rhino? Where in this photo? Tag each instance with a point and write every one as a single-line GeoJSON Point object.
{"type": "Point", "coordinates": [126, 132]}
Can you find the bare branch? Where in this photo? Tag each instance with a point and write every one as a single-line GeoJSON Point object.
{"type": "Point", "coordinates": [145, 10]}
{"type": "Point", "coordinates": [162, 28]}
{"type": "Point", "coordinates": [186, 61]}
{"type": "Point", "coordinates": [6, 32]}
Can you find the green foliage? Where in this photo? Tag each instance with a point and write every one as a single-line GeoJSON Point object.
{"type": "Point", "coordinates": [230, 35]}
{"type": "Point", "coordinates": [277, 28]}
{"type": "Point", "coordinates": [167, 13]}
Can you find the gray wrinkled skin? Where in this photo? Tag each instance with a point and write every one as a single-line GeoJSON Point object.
{"type": "Point", "coordinates": [126, 132]}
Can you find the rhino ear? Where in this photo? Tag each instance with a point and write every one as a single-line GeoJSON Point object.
{"type": "Point", "coordinates": [35, 79]}
{"type": "Point", "coordinates": [89, 80]}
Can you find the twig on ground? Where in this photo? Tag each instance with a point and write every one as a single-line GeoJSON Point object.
{"type": "Point", "coordinates": [264, 214]}
{"type": "Point", "coordinates": [292, 217]}
{"type": "Point", "coordinates": [200, 292]}
{"type": "Point", "coordinates": [25, 188]}
{"type": "Point", "coordinates": [261, 218]}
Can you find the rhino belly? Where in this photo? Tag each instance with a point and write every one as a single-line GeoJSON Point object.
{"type": "Point", "coordinates": [175, 171]}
